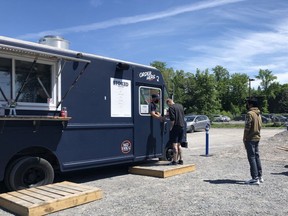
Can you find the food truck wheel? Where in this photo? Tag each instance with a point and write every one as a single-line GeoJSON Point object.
{"type": "Point", "coordinates": [169, 153]}
{"type": "Point", "coordinates": [30, 172]}
{"type": "Point", "coordinates": [8, 172]}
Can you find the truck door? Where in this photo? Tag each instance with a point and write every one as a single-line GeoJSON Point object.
{"type": "Point", "coordinates": [149, 133]}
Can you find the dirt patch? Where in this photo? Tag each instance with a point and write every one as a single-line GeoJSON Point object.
{"type": "Point", "coordinates": [270, 151]}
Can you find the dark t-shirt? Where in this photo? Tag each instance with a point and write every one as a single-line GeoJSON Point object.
{"type": "Point", "coordinates": [152, 107]}
{"type": "Point", "coordinates": [176, 114]}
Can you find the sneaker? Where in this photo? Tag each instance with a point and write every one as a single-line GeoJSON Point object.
{"type": "Point", "coordinates": [173, 163]}
{"type": "Point", "coordinates": [253, 182]}
{"type": "Point", "coordinates": [261, 180]}
{"type": "Point", "coordinates": [180, 162]}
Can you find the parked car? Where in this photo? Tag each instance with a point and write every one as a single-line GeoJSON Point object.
{"type": "Point", "coordinates": [265, 119]}
{"type": "Point", "coordinates": [227, 119]}
{"type": "Point", "coordinates": [221, 118]}
{"type": "Point", "coordinates": [196, 122]}
{"type": "Point", "coordinates": [240, 117]}
{"type": "Point", "coordinates": [279, 118]}
{"type": "Point", "coordinates": [218, 118]}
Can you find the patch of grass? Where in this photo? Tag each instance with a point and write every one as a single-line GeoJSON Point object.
{"type": "Point", "coordinates": [241, 125]}
{"type": "Point", "coordinates": [226, 125]}
{"type": "Point", "coordinates": [274, 125]}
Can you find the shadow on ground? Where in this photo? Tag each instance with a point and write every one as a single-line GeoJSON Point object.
{"type": "Point", "coordinates": [282, 173]}
{"type": "Point", "coordinates": [87, 175]}
{"type": "Point", "coordinates": [93, 174]}
{"type": "Point", "coordinates": [225, 181]}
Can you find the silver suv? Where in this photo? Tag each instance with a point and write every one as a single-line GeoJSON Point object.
{"type": "Point", "coordinates": [196, 122]}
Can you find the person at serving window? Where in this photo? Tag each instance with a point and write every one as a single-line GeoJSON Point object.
{"type": "Point", "coordinates": [153, 107]}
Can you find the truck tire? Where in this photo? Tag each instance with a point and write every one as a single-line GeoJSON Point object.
{"type": "Point", "coordinates": [8, 173]}
{"type": "Point", "coordinates": [30, 172]}
{"type": "Point", "coordinates": [169, 154]}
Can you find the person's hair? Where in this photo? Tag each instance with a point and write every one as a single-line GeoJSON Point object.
{"type": "Point", "coordinates": [253, 102]}
{"type": "Point", "coordinates": [154, 96]}
{"type": "Point", "coordinates": [169, 100]}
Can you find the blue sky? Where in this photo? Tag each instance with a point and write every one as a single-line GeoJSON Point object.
{"type": "Point", "coordinates": [241, 35]}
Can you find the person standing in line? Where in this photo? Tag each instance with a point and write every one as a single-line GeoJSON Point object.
{"type": "Point", "coordinates": [176, 115]}
{"type": "Point", "coordinates": [251, 138]}
{"type": "Point", "coordinates": [153, 107]}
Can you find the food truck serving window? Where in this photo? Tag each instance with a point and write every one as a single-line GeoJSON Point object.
{"type": "Point", "coordinates": [28, 83]}
{"type": "Point", "coordinates": [5, 78]}
{"type": "Point", "coordinates": [38, 86]}
{"type": "Point", "coordinates": [145, 98]}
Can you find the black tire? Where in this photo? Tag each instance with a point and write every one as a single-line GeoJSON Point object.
{"type": "Point", "coordinates": [189, 130]}
{"type": "Point", "coordinates": [169, 153]}
{"type": "Point", "coordinates": [192, 129]}
{"type": "Point", "coordinates": [30, 172]}
{"type": "Point", "coordinates": [8, 173]}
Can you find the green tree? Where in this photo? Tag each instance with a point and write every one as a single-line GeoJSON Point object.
{"type": "Point", "coordinates": [267, 79]}
{"type": "Point", "coordinates": [205, 99]}
{"type": "Point", "coordinates": [179, 86]}
{"type": "Point", "coordinates": [279, 103]}
{"type": "Point", "coordinates": [219, 92]}
{"type": "Point", "coordinates": [167, 73]}
{"type": "Point", "coordinates": [238, 92]}
{"type": "Point", "coordinates": [189, 102]}
{"type": "Point", "coordinates": [283, 102]}
{"type": "Point", "coordinates": [222, 79]}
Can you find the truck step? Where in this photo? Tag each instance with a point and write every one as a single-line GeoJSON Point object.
{"type": "Point", "coordinates": [46, 199]}
{"type": "Point", "coordinates": [161, 169]}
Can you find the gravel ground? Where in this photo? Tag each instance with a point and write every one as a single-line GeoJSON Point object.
{"type": "Point", "coordinates": [215, 188]}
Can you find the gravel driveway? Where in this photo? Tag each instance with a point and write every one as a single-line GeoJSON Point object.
{"type": "Point", "coordinates": [215, 188]}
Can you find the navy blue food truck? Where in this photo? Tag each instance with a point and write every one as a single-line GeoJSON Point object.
{"type": "Point", "coordinates": [62, 110]}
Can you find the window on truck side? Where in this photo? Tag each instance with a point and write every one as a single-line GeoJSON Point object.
{"type": "Point", "coordinates": [39, 90]}
{"type": "Point", "coordinates": [5, 78]}
{"type": "Point", "coordinates": [145, 98]}
{"type": "Point", "coordinates": [38, 86]}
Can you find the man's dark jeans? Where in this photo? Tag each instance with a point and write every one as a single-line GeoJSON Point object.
{"type": "Point", "coordinates": [254, 158]}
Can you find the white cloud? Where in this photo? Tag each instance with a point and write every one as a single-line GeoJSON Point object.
{"type": "Point", "coordinates": [243, 52]}
{"type": "Point", "coordinates": [282, 78]}
{"type": "Point", "coordinates": [133, 19]}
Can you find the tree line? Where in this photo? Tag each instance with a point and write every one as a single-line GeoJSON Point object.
{"type": "Point", "coordinates": [219, 92]}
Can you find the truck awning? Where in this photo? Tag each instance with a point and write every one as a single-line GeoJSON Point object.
{"type": "Point", "coordinates": [36, 54]}
{"type": "Point", "coordinates": [41, 54]}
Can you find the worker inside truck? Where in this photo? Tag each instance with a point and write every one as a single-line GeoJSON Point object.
{"type": "Point", "coordinates": [153, 108]}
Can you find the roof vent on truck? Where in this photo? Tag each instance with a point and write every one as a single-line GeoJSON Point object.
{"type": "Point", "coordinates": [122, 66]}
{"type": "Point", "coordinates": [54, 41]}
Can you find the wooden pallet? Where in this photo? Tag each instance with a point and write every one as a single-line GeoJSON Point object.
{"type": "Point", "coordinates": [46, 199]}
{"type": "Point", "coordinates": [161, 169]}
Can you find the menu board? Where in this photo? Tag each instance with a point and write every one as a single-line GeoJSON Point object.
{"type": "Point", "coordinates": [120, 97]}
